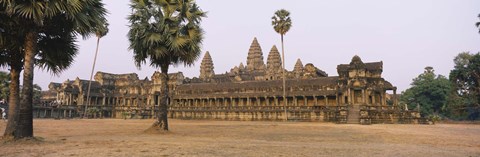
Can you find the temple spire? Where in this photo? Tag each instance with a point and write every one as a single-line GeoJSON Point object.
{"type": "Point", "coordinates": [206, 67]}
{"type": "Point", "coordinates": [298, 69]}
{"type": "Point", "coordinates": [255, 57]}
{"type": "Point", "coordinates": [274, 64]}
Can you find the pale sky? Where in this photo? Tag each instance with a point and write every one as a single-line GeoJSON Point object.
{"type": "Point", "coordinates": [406, 35]}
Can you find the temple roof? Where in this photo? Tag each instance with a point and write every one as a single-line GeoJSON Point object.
{"type": "Point", "coordinates": [369, 66]}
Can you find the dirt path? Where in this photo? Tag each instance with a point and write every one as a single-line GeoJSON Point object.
{"type": "Point", "coordinates": [117, 137]}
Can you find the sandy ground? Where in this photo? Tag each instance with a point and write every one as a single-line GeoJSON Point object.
{"type": "Point", "coordinates": [117, 137]}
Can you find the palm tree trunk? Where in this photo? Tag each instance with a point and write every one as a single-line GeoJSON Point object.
{"type": "Point", "coordinates": [91, 75]}
{"type": "Point", "coordinates": [162, 121]}
{"type": "Point", "coordinates": [25, 122]}
{"type": "Point", "coordinates": [283, 77]}
{"type": "Point", "coordinates": [15, 69]}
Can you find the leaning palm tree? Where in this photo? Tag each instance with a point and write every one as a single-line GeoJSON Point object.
{"type": "Point", "coordinates": [478, 24]}
{"type": "Point", "coordinates": [165, 33]}
{"type": "Point", "coordinates": [56, 22]}
{"type": "Point", "coordinates": [100, 32]}
{"type": "Point", "coordinates": [281, 23]}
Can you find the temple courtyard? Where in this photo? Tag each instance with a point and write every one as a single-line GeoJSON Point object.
{"type": "Point", "coordinates": [118, 137]}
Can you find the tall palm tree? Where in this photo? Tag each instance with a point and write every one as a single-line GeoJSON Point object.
{"type": "Point", "coordinates": [100, 32]}
{"type": "Point", "coordinates": [53, 54]}
{"type": "Point", "coordinates": [165, 33]}
{"type": "Point", "coordinates": [282, 23]}
{"type": "Point", "coordinates": [56, 23]}
{"type": "Point", "coordinates": [11, 51]}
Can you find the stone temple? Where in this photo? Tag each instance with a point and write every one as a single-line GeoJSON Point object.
{"type": "Point", "coordinates": [247, 92]}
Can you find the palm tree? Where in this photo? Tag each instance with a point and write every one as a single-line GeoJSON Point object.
{"type": "Point", "coordinates": [478, 24]}
{"type": "Point", "coordinates": [281, 23]}
{"type": "Point", "coordinates": [46, 27]}
{"type": "Point", "coordinates": [165, 33]}
{"type": "Point", "coordinates": [100, 32]}
{"type": "Point", "coordinates": [11, 42]}
{"type": "Point", "coordinates": [53, 55]}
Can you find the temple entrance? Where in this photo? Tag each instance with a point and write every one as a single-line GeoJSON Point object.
{"type": "Point", "coordinates": [357, 99]}
{"type": "Point", "coordinates": [354, 108]}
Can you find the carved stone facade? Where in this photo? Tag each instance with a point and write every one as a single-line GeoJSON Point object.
{"type": "Point", "coordinates": [111, 95]}
{"type": "Point", "coordinates": [357, 95]}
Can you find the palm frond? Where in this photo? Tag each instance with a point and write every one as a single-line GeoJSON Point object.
{"type": "Point", "coordinates": [166, 32]}
{"type": "Point", "coordinates": [281, 21]}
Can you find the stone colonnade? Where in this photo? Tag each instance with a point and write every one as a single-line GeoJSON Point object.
{"type": "Point", "coordinates": [308, 108]}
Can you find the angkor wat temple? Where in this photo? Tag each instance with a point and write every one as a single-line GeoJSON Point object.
{"type": "Point", "coordinates": [252, 92]}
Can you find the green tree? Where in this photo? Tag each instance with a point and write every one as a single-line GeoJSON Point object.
{"type": "Point", "coordinates": [282, 23]}
{"type": "Point", "coordinates": [165, 33]}
{"type": "Point", "coordinates": [466, 79]}
{"type": "Point", "coordinates": [45, 29]}
{"type": "Point", "coordinates": [428, 90]}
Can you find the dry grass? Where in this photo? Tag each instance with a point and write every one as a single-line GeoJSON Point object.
{"type": "Point", "coordinates": [117, 137]}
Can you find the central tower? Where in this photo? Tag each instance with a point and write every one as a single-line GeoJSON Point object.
{"type": "Point", "coordinates": [255, 57]}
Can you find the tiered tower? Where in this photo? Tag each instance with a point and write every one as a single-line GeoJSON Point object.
{"type": "Point", "coordinates": [255, 57]}
{"type": "Point", "coordinates": [206, 68]}
{"type": "Point", "coordinates": [298, 69]}
{"type": "Point", "coordinates": [274, 65]}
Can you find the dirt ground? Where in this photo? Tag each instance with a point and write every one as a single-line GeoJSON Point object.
{"type": "Point", "coordinates": [118, 137]}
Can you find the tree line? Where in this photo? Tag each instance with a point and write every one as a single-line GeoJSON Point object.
{"type": "Point", "coordinates": [455, 97]}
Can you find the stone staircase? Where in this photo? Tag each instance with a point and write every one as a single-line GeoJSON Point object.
{"type": "Point", "coordinates": [353, 114]}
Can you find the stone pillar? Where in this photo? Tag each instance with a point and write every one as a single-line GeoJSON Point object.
{"type": "Point", "coordinates": [267, 101]}
{"type": "Point", "coordinates": [315, 100]}
{"type": "Point", "coordinates": [349, 97]}
{"type": "Point", "coordinates": [363, 96]}
{"type": "Point", "coordinates": [275, 101]}
{"type": "Point", "coordinates": [71, 98]}
{"type": "Point", "coordinates": [326, 100]}
{"type": "Point", "coordinates": [295, 101]}
{"type": "Point", "coordinates": [258, 101]}
{"type": "Point", "coordinates": [337, 100]}
{"type": "Point", "coordinates": [374, 97]}
{"type": "Point", "coordinates": [384, 98]}
{"type": "Point", "coordinates": [305, 101]}
{"type": "Point", "coordinates": [395, 97]}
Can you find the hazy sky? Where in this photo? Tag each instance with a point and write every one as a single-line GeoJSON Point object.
{"type": "Point", "coordinates": [406, 35]}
